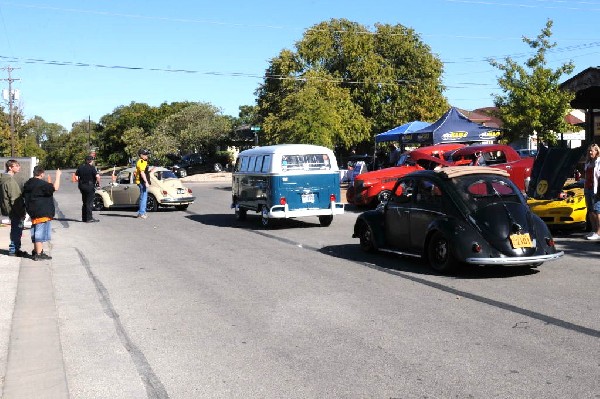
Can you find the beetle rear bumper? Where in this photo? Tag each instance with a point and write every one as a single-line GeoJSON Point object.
{"type": "Point", "coordinates": [516, 261]}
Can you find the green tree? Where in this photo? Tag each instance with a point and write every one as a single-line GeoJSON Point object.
{"type": "Point", "coordinates": [68, 150]}
{"type": "Point", "coordinates": [532, 100]}
{"type": "Point", "coordinates": [319, 112]}
{"type": "Point", "coordinates": [197, 128]}
{"type": "Point", "coordinates": [391, 75]}
{"type": "Point", "coordinates": [110, 130]}
{"type": "Point", "coordinates": [160, 143]}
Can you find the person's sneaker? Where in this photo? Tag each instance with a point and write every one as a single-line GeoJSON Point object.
{"type": "Point", "coordinates": [589, 234]}
{"type": "Point", "coordinates": [41, 256]}
{"type": "Point", "coordinates": [144, 216]}
{"type": "Point", "coordinates": [594, 237]}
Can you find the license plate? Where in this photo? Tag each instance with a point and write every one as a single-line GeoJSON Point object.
{"type": "Point", "coordinates": [180, 191]}
{"type": "Point", "coordinates": [308, 198]}
{"type": "Point", "coordinates": [521, 240]}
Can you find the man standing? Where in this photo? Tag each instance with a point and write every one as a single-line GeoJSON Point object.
{"type": "Point", "coordinates": [143, 181]}
{"type": "Point", "coordinates": [13, 205]}
{"type": "Point", "coordinates": [87, 178]}
{"type": "Point", "coordinates": [39, 202]}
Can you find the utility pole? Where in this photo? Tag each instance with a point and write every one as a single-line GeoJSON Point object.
{"type": "Point", "coordinates": [11, 97]}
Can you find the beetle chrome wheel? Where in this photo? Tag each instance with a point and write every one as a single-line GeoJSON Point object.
{"type": "Point", "coordinates": [366, 238]}
{"type": "Point", "coordinates": [439, 253]}
{"type": "Point", "coordinates": [151, 203]}
{"type": "Point", "coordinates": [98, 204]}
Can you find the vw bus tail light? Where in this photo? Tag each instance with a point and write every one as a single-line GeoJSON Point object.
{"type": "Point", "coordinates": [332, 198]}
{"type": "Point", "coordinates": [282, 201]}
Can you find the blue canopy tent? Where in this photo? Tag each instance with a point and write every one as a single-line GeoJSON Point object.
{"type": "Point", "coordinates": [397, 132]}
{"type": "Point", "coordinates": [452, 127]}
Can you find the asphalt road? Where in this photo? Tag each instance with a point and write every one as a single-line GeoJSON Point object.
{"type": "Point", "coordinates": [195, 304]}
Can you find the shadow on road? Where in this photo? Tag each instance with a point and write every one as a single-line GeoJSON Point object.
{"type": "Point", "coordinates": [398, 263]}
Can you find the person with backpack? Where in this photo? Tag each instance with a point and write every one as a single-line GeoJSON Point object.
{"type": "Point", "coordinates": [12, 205]}
{"type": "Point", "coordinates": [39, 202]}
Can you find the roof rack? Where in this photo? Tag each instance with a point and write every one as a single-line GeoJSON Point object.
{"type": "Point", "coordinates": [455, 171]}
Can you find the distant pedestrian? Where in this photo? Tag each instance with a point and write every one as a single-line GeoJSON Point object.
{"type": "Point", "coordinates": [142, 179]}
{"type": "Point", "coordinates": [591, 190]}
{"type": "Point", "coordinates": [13, 206]}
{"type": "Point", "coordinates": [394, 155]}
{"type": "Point", "coordinates": [87, 179]}
{"type": "Point", "coordinates": [39, 202]}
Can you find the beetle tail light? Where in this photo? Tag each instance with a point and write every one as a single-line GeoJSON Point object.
{"type": "Point", "coordinates": [164, 193]}
{"type": "Point", "coordinates": [189, 190]}
{"type": "Point", "coordinates": [282, 201]}
{"type": "Point", "coordinates": [476, 248]}
{"type": "Point", "coordinates": [550, 241]}
{"type": "Point", "coordinates": [332, 198]}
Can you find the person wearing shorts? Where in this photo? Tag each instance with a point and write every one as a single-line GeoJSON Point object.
{"type": "Point", "coordinates": [39, 202]}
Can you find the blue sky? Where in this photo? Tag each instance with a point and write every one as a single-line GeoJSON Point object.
{"type": "Point", "coordinates": [225, 46]}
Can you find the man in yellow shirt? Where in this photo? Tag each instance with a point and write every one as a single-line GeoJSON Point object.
{"type": "Point", "coordinates": [143, 181]}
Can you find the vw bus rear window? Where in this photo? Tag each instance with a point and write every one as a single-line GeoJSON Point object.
{"type": "Point", "coordinates": [305, 162]}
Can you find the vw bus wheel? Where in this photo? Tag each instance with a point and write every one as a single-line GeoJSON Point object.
{"type": "Point", "coordinates": [98, 204]}
{"type": "Point", "coordinates": [264, 213]}
{"type": "Point", "coordinates": [325, 220]}
{"type": "Point", "coordinates": [151, 204]}
{"type": "Point", "coordinates": [439, 254]}
{"type": "Point", "coordinates": [240, 213]}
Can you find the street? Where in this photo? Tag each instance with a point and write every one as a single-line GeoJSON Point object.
{"type": "Point", "coordinates": [194, 304]}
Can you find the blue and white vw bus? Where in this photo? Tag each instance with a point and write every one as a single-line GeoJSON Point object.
{"type": "Point", "coordinates": [287, 181]}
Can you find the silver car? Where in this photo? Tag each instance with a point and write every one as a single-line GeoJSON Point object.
{"type": "Point", "coordinates": [165, 190]}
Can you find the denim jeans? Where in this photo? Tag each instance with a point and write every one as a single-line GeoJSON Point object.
{"type": "Point", "coordinates": [16, 231]}
{"type": "Point", "coordinates": [143, 198]}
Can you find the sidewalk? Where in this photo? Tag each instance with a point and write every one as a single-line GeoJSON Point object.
{"type": "Point", "coordinates": [30, 354]}
{"type": "Point", "coordinates": [9, 276]}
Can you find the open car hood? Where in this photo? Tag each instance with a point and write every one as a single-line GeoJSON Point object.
{"type": "Point", "coordinates": [550, 171]}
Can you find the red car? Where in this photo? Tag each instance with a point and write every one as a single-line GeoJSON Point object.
{"type": "Point", "coordinates": [497, 156]}
{"type": "Point", "coordinates": [373, 187]}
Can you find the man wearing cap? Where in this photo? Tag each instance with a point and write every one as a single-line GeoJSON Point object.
{"type": "Point", "coordinates": [143, 181]}
{"type": "Point", "coordinates": [87, 178]}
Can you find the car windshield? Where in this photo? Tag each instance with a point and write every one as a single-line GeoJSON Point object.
{"type": "Point", "coordinates": [165, 175]}
{"type": "Point", "coordinates": [405, 159]}
{"type": "Point", "coordinates": [305, 162]}
{"type": "Point", "coordinates": [479, 191]}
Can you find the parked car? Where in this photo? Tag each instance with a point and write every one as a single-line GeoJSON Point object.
{"type": "Point", "coordinates": [465, 214]}
{"type": "Point", "coordinates": [497, 156]}
{"type": "Point", "coordinates": [558, 201]}
{"type": "Point", "coordinates": [287, 181]}
{"type": "Point", "coordinates": [567, 211]}
{"type": "Point", "coordinates": [194, 163]}
{"type": "Point", "coordinates": [368, 189]}
{"type": "Point", "coordinates": [165, 190]}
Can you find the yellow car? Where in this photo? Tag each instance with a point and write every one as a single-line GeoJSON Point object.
{"type": "Point", "coordinates": [567, 211]}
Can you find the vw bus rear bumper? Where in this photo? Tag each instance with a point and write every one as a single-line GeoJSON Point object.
{"type": "Point", "coordinates": [284, 212]}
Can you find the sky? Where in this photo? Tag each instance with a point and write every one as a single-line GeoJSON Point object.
{"type": "Point", "coordinates": [80, 60]}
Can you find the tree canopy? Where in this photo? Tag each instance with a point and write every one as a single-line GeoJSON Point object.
{"type": "Point", "coordinates": [532, 100]}
{"type": "Point", "coordinates": [360, 82]}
